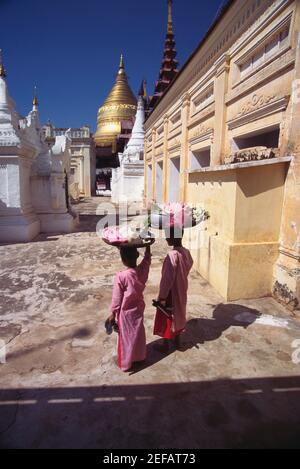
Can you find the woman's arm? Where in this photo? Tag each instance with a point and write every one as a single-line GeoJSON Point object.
{"type": "Point", "coordinates": [144, 266]}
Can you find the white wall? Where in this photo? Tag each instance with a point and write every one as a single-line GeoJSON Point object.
{"type": "Point", "coordinates": [159, 181]}
{"type": "Point", "coordinates": [174, 179]}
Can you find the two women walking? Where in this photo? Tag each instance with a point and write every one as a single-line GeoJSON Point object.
{"type": "Point", "coordinates": [128, 306]}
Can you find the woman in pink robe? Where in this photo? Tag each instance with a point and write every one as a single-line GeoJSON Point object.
{"type": "Point", "coordinates": [173, 289]}
{"type": "Point", "coordinates": [128, 306]}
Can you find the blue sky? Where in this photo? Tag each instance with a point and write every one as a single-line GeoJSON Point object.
{"type": "Point", "coordinates": [71, 49]}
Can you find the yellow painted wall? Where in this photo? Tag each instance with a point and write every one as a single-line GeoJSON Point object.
{"type": "Point", "coordinates": [259, 199]}
{"type": "Point", "coordinates": [239, 247]}
{"type": "Point", "coordinates": [216, 190]}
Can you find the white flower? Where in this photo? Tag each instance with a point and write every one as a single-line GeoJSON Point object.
{"type": "Point", "coordinates": [129, 233]}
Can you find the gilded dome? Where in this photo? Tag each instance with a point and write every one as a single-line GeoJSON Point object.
{"type": "Point", "coordinates": [120, 105]}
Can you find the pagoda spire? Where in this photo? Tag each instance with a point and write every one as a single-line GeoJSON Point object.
{"type": "Point", "coordinates": [35, 101]}
{"type": "Point", "coordinates": [169, 64]}
{"type": "Point", "coordinates": [170, 17]}
{"type": "Point", "coordinates": [2, 69]}
{"type": "Point", "coordinates": [121, 66]}
{"type": "Point", "coordinates": [33, 116]}
{"type": "Point", "coordinates": [143, 89]}
{"type": "Point", "coordinates": [143, 93]}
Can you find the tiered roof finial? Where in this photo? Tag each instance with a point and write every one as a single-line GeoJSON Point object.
{"type": "Point", "coordinates": [143, 93]}
{"type": "Point", "coordinates": [168, 69]}
{"type": "Point", "coordinates": [143, 89]}
{"type": "Point", "coordinates": [35, 101]}
{"type": "Point", "coordinates": [170, 17]}
{"type": "Point", "coordinates": [2, 69]}
{"type": "Point", "coordinates": [122, 66]}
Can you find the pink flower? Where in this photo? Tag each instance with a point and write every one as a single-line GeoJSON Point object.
{"type": "Point", "coordinates": [113, 235]}
{"type": "Point", "coordinates": [179, 214]}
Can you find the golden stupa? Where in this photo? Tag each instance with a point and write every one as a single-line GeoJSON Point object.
{"type": "Point", "coordinates": [119, 106]}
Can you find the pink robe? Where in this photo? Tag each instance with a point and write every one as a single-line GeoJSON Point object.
{"type": "Point", "coordinates": [173, 288]}
{"type": "Point", "coordinates": [128, 305]}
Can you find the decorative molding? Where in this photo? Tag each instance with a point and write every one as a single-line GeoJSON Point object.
{"type": "Point", "coordinates": [174, 151]}
{"type": "Point", "coordinates": [9, 138]}
{"type": "Point", "coordinates": [252, 154]}
{"type": "Point", "coordinates": [133, 170]}
{"type": "Point", "coordinates": [174, 143]}
{"type": "Point", "coordinates": [175, 132]}
{"type": "Point", "coordinates": [258, 107]}
{"type": "Point", "coordinates": [222, 65]}
{"type": "Point", "coordinates": [160, 132]}
{"type": "Point", "coordinates": [158, 144]}
{"type": "Point", "coordinates": [200, 132]}
{"type": "Point", "coordinates": [266, 36]}
{"type": "Point", "coordinates": [287, 252]}
{"type": "Point", "coordinates": [176, 118]}
{"type": "Point", "coordinates": [7, 133]}
{"type": "Point", "coordinates": [200, 101]}
{"type": "Point", "coordinates": [261, 76]}
{"type": "Point", "coordinates": [256, 102]}
{"type": "Point", "coordinates": [116, 107]}
{"type": "Point", "coordinates": [203, 115]}
{"type": "Point", "coordinates": [185, 100]}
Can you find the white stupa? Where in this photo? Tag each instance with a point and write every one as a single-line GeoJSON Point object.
{"type": "Point", "coordinates": [135, 147]}
{"type": "Point", "coordinates": [128, 180]}
{"type": "Point", "coordinates": [33, 177]}
{"type": "Point", "coordinates": [18, 222]}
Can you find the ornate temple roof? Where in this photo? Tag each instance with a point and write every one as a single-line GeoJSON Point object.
{"type": "Point", "coordinates": [120, 105]}
{"type": "Point", "coordinates": [169, 64]}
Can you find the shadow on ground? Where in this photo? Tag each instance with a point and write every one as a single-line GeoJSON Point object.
{"type": "Point", "coordinates": [201, 330]}
{"type": "Point", "coordinates": [245, 413]}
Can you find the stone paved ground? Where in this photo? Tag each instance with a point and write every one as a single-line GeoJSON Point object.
{"type": "Point", "coordinates": [235, 385]}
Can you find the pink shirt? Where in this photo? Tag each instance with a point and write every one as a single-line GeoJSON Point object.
{"type": "Point", "coordinates": [128, 305]}
{"type": "Point", "coordinates": [174, 280]}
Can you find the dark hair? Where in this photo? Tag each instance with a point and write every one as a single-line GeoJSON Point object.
{"type": "Point", "coordinates": [129, 254]}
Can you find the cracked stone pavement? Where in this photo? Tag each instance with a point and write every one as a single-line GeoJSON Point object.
{"type": "Point", "coordinates": [234, 385]}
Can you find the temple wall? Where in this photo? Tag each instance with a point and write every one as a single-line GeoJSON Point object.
{"type": "Point", "coordinates": [83, 159]}
{"type": "Point", "coordinates": [238, 91]}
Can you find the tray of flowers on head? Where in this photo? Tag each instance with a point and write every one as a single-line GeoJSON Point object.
{"type": "Point", "coordinates": [127, 237]}
{"type": "Point", "coordinates": [163, 216]}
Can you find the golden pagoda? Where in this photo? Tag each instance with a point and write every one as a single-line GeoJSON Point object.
{"type": "Point", "coordinates": [120, 106]}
